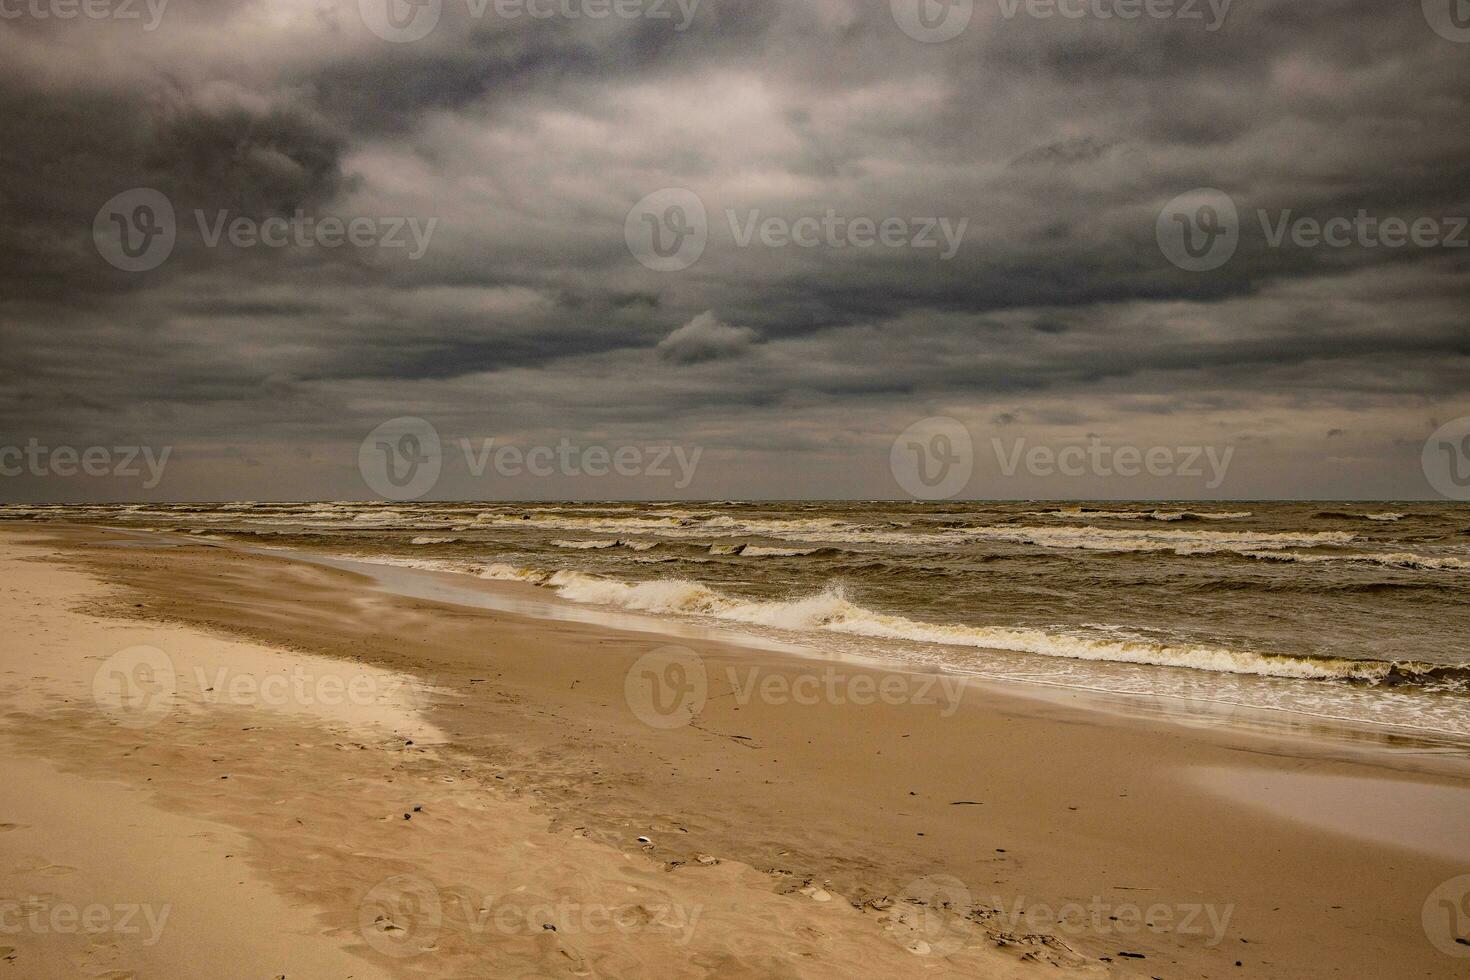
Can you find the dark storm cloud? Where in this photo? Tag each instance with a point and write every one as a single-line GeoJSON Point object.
{"type": "Point", "coordinates": [526, 141]}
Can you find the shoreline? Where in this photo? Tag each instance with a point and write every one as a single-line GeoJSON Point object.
{"type": "Point", "coordinates": [1016, 800]}
{"type": "Point", "coordinates": [525, 598]}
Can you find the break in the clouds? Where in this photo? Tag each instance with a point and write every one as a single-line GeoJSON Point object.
{"type": "Point", "coordinates": [781, 232]}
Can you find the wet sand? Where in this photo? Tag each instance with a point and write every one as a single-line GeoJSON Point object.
{"type": "Point", "coordinates": [785, 835]}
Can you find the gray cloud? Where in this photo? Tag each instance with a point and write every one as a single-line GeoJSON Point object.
{"type": "Point", "coordinates": [705, 338]}
{"type": "Point", "coordinates": [527, 142]}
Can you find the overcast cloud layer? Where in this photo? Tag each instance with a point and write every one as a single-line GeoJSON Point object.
{"type": "Point", "coordinates": [1030, 156]}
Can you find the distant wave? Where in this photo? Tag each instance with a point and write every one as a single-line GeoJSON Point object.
{"type": "Point", "coordinates": [431, 539]}
{"type": "Point", "coordinates": [1179, 542]}
{"type": "Point", "coordinates": [833, 611]}
{"type": "Point", "coordinates": [1343, 515]}
{"type": "Point", "coordinates": [598, 544]}
{"type": "Point", "coordinates": [831, 531]}
{"type": "Point", "coordinates": [1084, 513]}
{"type": "Point", "coordinates": [1394, 559]}
{"type": "Point", "coordinates": [763, 551]}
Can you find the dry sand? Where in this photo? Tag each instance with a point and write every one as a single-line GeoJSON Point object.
{"type": "Point", "coordinates": [322, 779]}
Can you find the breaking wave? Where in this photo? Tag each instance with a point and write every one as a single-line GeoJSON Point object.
{"type": "Point", "coordinates": [1395, 559]}
{"type": "Point", "coordinates": [1084, 513]}
{"type": "Point", "coordinates": [832, 610]}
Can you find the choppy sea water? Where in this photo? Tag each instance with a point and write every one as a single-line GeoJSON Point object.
{"type": "Point", "coordinates": [1358, 613]}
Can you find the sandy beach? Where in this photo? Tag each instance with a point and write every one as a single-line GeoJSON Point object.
{"type": "Point", "coordinates": [235, 764]}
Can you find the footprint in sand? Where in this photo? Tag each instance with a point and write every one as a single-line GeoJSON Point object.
{"type": "Point", "coordinates": [6, 827]}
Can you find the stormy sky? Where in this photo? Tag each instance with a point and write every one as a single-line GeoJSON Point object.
{"type": "Point", "coordinates": [777, 232]}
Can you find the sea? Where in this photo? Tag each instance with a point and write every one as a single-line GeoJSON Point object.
{"type": "Point", "coordinates": [1348, 613]}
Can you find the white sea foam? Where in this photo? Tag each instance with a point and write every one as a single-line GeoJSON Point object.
{"type": "Point", "coordinates": [432, 539]}
{"type": "Point", "coordinates": [1081, 513]}
{"type": "Point", "coordinates": [1391, 559]}
{"type": "Point", "coordinates": [831, 610]}
{"type": "Point", "coordinates": [831, 530]}
{"type": "Point", "coordinates": [379, 517]}
{"type": "Point", "coordinates": [760, 551]}
{"type": "Point", "coordinates": [602, 543]}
